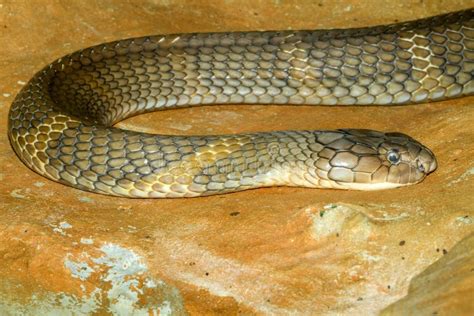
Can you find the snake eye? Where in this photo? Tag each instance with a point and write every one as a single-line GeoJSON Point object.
{"type": "Point", "coordinates": [394, 157]}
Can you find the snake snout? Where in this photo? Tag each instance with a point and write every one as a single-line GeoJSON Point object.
{"type": "Point", "coordinates": [419, 158]}
{"type": "Point", "coordinates": [426, 161]}
{"type": "Point", "coordinates": [406, 160]}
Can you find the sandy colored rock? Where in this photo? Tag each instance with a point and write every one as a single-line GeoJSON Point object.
{"type": "Point", "coordinates": [266, 251]}
{"type": "Point", "coordinates": [445, 288]}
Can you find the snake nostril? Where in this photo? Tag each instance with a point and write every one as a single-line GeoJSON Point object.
{"type": "Point", "coordinates": [420, 166]}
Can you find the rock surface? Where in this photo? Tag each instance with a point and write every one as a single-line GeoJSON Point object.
{"type": "Point", "coordinates": [266, 251]}
{"type": "Point", "coordinates": [444, 288]}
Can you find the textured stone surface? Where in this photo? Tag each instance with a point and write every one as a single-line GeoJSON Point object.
{"type": "Point", "coordinates": [444, 288]}
{"type": "Point", "coordinates": [275, 250]}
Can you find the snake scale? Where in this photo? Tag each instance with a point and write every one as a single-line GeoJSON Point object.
{"type": "Point", "coordinates": [61, 122]}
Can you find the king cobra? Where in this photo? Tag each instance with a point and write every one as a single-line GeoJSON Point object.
{"type": "Point", "coordinates": [61, 124]}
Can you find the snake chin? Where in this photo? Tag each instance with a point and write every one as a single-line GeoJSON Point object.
{"type": "Point", "coordinates": [371, 186]}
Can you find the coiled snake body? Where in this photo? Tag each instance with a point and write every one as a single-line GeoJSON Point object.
{"type": "Point", "coordinates": [61, 123]}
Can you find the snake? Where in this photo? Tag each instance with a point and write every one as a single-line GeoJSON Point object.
{"type": "Point", "coordinates": [61, 123]}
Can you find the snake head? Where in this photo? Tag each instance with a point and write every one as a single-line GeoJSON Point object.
{"type": "Point", "coordinates": [408, 160]}
{"type": "Point", "coordinates": [371, 160]}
